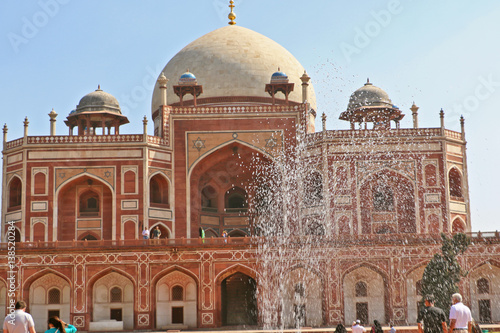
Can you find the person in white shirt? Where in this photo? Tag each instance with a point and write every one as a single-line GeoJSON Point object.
{"type": "Point", "coordinates": [460, 316]}
{"type": "Point", "coordinates": [19, 321]}
{"type": "Point", "coordinates": [357, 328]}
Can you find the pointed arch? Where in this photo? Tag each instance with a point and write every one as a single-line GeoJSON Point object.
{"type": "Point", "coordinates": [98, 291]}
{"type": "Point", "coordinates": [227, 143]}
{"type": "Point", "coordinates": [458, 225]}
{"type": "Point", "coordinates": [484, 280]}
{"type": "Point", "coordinates": [216, 167]}
{"type": "Point", "coordinates": [15, 193]}
{"type": "Point", "coordinates": [455, 182]}
{"type": "Point", "coordinates": [32, 278]}
{"type": "Point", "coordinates": [349, 298]}
{"type": "Point", "coordinates": [166, 232]}
{"type": "Point", "coordinates": [397, 210]}
{"type": "Point", "coordinates": [159, 193]}
{"type": "Point", "coordinates": [304, 297]}
{"type": "Point", "coordinates": [169, 310]}
{"type": "Point", "coordinates": [69, 181]}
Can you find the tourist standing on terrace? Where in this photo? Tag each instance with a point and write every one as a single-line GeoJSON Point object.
{"type": "Point", "coordinates": [145, 233]}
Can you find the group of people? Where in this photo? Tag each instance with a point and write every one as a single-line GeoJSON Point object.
{"type": "Point", "coordinates": [357, 328]}
{"type": "Point", "coordinates": [430, 319]}
{"type": "Point", "coordinates": [20, 321]}
{"type": "Point", "coordinates": [434, 319]}
{"type": "Point", "coordinates": [155, 233]}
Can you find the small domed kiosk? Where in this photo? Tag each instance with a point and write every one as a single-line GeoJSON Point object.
{"type": "Point", "coordinates": [371, 104]}
{"type": "Point", "coordinates": [97, 109]}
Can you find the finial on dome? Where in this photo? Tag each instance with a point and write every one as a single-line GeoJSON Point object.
{"type": "Point", "coordinates": [98, 87]}
{"type": "Point", "coordinates": [368, 83]}
{"type": "Point", "coordinates": [231, 15]}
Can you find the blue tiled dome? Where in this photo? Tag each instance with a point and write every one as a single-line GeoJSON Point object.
{"type": "Point", "coordinates": [188, 75]}
{"type": "Point", "coordinates": [187, 78]}
{"type": "Point", "coordinates": [279, 74]}
{"type": "Point", "coordinates": [279, 77]}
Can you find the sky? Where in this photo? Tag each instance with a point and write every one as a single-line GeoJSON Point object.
{"type": "Point", "coordinates": [439, 54]}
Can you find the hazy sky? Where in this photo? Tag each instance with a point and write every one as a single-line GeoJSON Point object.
{"type": "Point", "coordinates": [440, 54]}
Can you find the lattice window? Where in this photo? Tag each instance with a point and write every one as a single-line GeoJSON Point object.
{"type": "Point", "coordinates": [314, 189]}
{"type": "Point", "coordinates": [383, 199]}
{"type": "Point", "coordinates": [418, 287]}
{"type": "Point", "coordinates": [361, 289]}
{"type": "Point", "coordinates": [54, 296]}
{"type": "Point", "coordinates": [483, 286]}
{"type": "Point", "coordinates": [115, 295]}
{"type": "Point", "coordinates": [300, 290]}
{"type": "Point", "coordinates": [177, 293]}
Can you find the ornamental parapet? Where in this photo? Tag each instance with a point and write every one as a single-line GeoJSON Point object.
{"type": "Point", "coordinates": [425, 133]}
{"type": "Point", "coordinates": [292, 242]}
{"type": "Point", "coordinates": [87, 139]}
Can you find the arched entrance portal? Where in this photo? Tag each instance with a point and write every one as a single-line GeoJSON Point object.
{"type": "Point", "coordinates": [222, 186]}
{"type": "Point", "coordinates": [239, 303]}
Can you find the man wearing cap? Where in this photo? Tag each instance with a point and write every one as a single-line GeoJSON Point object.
{"type": "Point", "coordinates": [357, 328]}
{"type": "Point", "coordinates": [460, 316]}
{"type": "Point", "coordinates": [433, 318]}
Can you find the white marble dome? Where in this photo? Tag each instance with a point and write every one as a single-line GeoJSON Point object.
{"type": "Point", "coordinates": [233, 61]}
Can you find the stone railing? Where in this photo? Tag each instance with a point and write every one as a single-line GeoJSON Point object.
{"type": "Point", "coordinates": [59, 139]}
{"type": "Point", "coordinates": [393, 133]}
{"type": "Point", "coordinates": [320, 241]}
{"type": "Point", "coordinates": [79, 139]}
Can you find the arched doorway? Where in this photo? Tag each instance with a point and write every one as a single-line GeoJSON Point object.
{"type": "Point", "coordinates": [113, 299]}
{"type": "Point", "coordinates": [239, 302]}
{"type": "Point", "coordinates": [366, 304]}
{"type": "Point", "coordinates": [303, 299]}
{"type": "Point", "coordinates": [49, 296]}
{"type": "Point", "coordinates": [176, 301]}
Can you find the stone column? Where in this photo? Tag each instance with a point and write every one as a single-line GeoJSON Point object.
{"type": "Point", "coordinates": [305, 84]}
{"type": "Point", "coordinates": [52, 116]}
{"type": "Point", "coordinates": [414, 113]}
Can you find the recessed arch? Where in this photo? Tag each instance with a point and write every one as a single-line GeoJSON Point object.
{"type": "Point", "coordinates": [50, 291]}
{"type": "Point", "coordinates": [166, 232]}
{"type": "Point", "coordinates": [455, 182]}
{"type": "Point", "coordinates": [163, 285]}
{"type": "Point", "coordinates": [83, 176]}
{"type": "Point", "coordinates": [378, 288]}
{"type": "Point", "coordinates": [228, 167]}
{"type": "Point", "coordinates": [108, 284]}
{"type": "Point", "coordinates": [216, 148]}
{"type": "Point", "coordinates": [304, 299]}
{"type": "Point", "coordinates": [484, 280]}
{"type": "Point", "coordinates": [458, 225]}
{"type": "Point", "coordinates": [401, 207]}
{"type": "Point", "coordinates": [159, 190]}
{"type": "Point", "coordinates": [15, 193]}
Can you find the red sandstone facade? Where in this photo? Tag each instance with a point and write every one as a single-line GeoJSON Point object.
{"type": "Point", "coordinates": [381, 197]}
